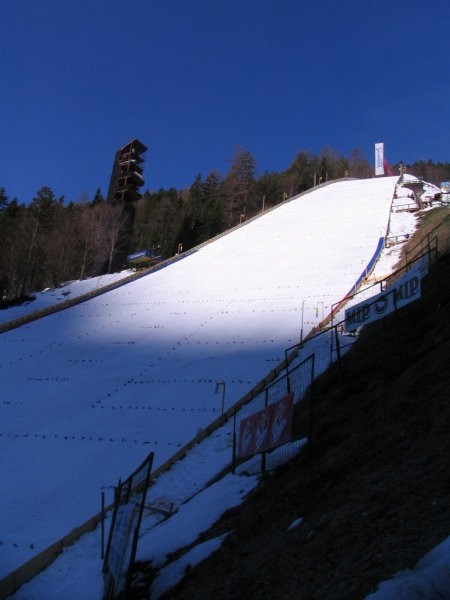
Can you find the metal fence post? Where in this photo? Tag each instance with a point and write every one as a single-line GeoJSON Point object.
{"type": "Point", "coordinates": [263, 454]}
{"type": "Point", "coordinates": [338, 352]}
{"type": "Point", "coordinates": [311, 402]}
{"type": "Point", "coordinates": [102, 556]}
{"type": "Point", "coordinates": [436, 276]}
{"type": "Point", "coordinates": [233, 462]}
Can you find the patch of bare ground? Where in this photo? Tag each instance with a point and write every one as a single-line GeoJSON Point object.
{"type": "Point", "coordinates": [373, 489]}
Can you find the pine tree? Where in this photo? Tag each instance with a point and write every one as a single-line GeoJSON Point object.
{"type": "Point", "coordinates": [213, 219]}
{"type": "Point", "coordinates": [301, 174]}
{"type": "Point", "coordinates": [98, 197]}
{"type": "Point", "coordinates": [239, 189]}
{"type": "Point", "coordinates": [358, 166]}
{"type": "Point", "coordinates": [269, 189]}
{"type": "Point", "coordinates": [4, 200]}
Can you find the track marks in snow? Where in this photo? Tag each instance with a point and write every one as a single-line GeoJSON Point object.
{"type": "Point", "coordinates": [49, 437]}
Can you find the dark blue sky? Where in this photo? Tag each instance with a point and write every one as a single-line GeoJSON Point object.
{"type": "Point", "coordinates": [196, 79]}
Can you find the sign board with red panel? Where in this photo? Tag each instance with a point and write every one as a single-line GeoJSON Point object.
{"type": "Point", "coordinates": [267, 428]}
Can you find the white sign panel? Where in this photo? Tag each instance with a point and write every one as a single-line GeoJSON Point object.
{"type": "Point", "coordinates": [402, 292]}
{"type": "Point", "coordinates": [379, 159]}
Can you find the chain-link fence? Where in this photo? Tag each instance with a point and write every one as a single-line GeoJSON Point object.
{"type": "Point", "coordinates": [129, 501]}
{"type": "Point", "coordinates": [311, 357]}
{"type": "Point", "coordinates": [294, 385]}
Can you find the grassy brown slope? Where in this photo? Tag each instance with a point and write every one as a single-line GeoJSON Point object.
{"type": "Point", "coordinates": [373, 491]}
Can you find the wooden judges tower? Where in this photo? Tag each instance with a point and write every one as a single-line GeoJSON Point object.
{"type": "Point", "coordinates": [126, 180]}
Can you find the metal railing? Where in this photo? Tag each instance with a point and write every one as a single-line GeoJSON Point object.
{"type": "Point", "coordinates": [298, 381]}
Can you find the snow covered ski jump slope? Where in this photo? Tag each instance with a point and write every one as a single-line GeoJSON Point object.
{"type": "Point", "coordinates": [88, 392]}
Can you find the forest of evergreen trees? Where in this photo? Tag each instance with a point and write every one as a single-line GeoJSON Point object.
{"type": "Point", "coordinates": [47, 242]}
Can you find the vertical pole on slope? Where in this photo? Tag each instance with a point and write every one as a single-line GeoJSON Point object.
{"type": "Point", "coordinates": [233, 462]}
{"type": "Point", "coordinates": [117, 492]}
{"type": "Point", "coordinates": [221, 385]}
{"type": "Point", "coordinates": [103, 527]}
{"type": "Point", "coordinates": [331, 341]}
{"type": "Point", "coordinates": [286, 365]}
{"type": "Point", "coordinates": [334, 310]}
{"type": "Point", "coordinates": [223, 397]}
{"type": "Point", "coordinates": [263, 454]}
{"type": "Point", "coordinates": [338, 351]}
{"type": "Point", "coordinates": [311, 402]}
{"type": "Point", "coordinates": [301, 330]}
{"type": "Point", "coordinates": [436, 270]}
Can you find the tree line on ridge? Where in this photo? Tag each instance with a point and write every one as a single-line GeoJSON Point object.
{"type": "Point", "coordinates": [47, 242]}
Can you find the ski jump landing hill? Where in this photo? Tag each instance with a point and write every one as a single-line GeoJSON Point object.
{"type": "Point", "coordinates": [86, 393]}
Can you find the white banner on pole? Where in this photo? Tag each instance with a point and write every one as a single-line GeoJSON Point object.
{"type": "Point", "coordinates": [402, 292]}
{"type": "Point", "coordinates": [379, 159]}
